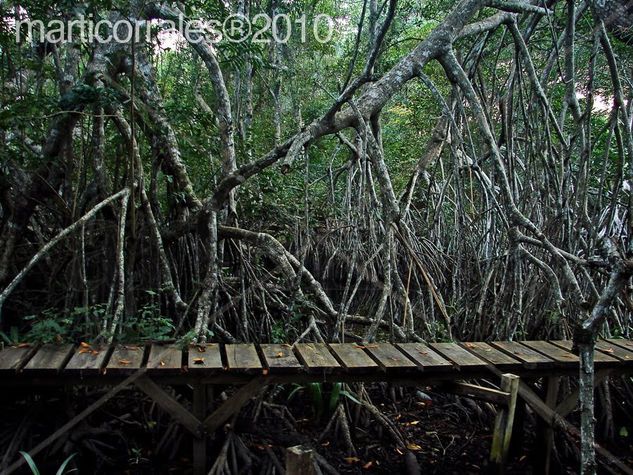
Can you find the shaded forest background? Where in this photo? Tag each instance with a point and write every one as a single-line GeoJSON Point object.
{"type": "Point", "coordinates": [435, 171]}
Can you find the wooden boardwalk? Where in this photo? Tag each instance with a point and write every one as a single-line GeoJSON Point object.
{"type": "Point", "coordinates": [234, 362]}
{"type": "Point", "coordinates": [151, 367]}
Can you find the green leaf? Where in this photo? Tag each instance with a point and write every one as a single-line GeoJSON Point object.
{"type": "Point", "coordinates": [63, 466]}
{"type": "Point", "coordinates": [624, 432]}
{"type": "Point", "coordinates": [335, 396]}
{"type": "Point", "coordinates": [349, 396]}
{"type": "Point", "coordinates": [30, 462]}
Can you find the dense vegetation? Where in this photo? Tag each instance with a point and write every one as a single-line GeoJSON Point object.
{"type": "Point", "coordinates": [448, 170]}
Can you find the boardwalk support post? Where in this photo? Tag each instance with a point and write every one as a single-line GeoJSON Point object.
{"type": "Point", "coordinates": [503, 423]}
{"type": "Point", "coordinates": [200, 443]}
{"type": "Point", "coordinates": [546, 430]}
{"type": "Point", "coordinates": [300, 461]}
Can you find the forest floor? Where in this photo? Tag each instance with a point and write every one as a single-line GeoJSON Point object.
{"type": "Point", "coordinates": [447, 434]}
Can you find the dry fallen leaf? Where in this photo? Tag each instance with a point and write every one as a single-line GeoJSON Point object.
{"type": "Point", "coordinates": [608, 350]}
{"type": "Point", "coordinates": [352, 459]}
{"type": "Point", "coordinates": [83, 344]}
{"type": "Point", "coordinates": [280, 354]}
{"type": "Point", "coordinates": [368, 465]}
{"type": "Point", "coordinates": [414, 447]}
{"type": "Point", "coordinates": [202, 349]}
{"type": "Point", "coordinates": [124, 362]}
{"type": "Point", "coordinates": [265, 371]}
{"type": "Point", "coordinates": [24, 345]}
{"type": "Point", "coordinates": [162, 363]}
{"type": "Point", "coordinates": [198, 361]}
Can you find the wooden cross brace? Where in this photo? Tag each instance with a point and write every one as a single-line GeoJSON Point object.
{"type": "Point", "coordinates": [208, 425]}
{"type": "Point", "coordinates": [198, 425]}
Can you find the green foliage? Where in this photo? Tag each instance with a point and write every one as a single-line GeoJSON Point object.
{"type": "Point", "coordinates": [53, 326]}
{"type": "Point", "coordinates": [84, 94]}
{"type": "Point", "coordinates": [147, 325]}
{"type": "Point", "coordinates": [324, 397]}
{"type": "Point", "coordinates": [13, 338]}
{"type": "Point", "coordinates": [35, 471]}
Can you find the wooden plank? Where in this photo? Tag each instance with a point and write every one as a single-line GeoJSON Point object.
{"type": "Point", "coordinates": [170, 405]}
{"type": "Point", "coordinates": [300, 460]}
{"type": "Point", "coordinates": [353, 356]}
{"type": "Point", "coordinates": [531, 359]}
{"type": "Point", "coordinates": [551, 417]}
{"type": "Point", "coordinates": [87, 359]}
{"type": "Point", "coordinates": [616, 351]}
{"type": "Point", "coordinates": [280, 358]}
{"type": "Point", "coordinates": [599, 358]}
{"type": "Point", "coordinates": [389, 357]}
{"type": "Point", "coordinates": [125, 359]}
{"type": "Point", "coordinates": [200, 405]}
{"type": "Point", "coordinates": [546, 435]}
{"type": "Point", "coordinates": [164, 359]}
{"type": "Point", "coordinates": [205, 357]}
{"type": "Point", "coordinates": [425, 357]}
{"type": "Point", "coordinates": [243, 357]}
{"type": "Point", "coordinates": [494, 356]}
{"type": "Point", "coordinates": [458, 355]}
{"type": "Point", "coordinates": [316, 356]}
{"type": "Point", "coordinates": [562, 357]}
{"type": "Point", "coordinates": [235, 402]}
{"type": "Point", "coordinates": [49, 358]}
{"type": "Point", "coordinates": [570, 402]}
{"type": "Point", "coordinates": [14, 358]}
{"type": "Point", "coordinates": [503, 424]}
{"type": "Point", "coordinates": [621, 342]}
{"type": "Point", "coordinates": [494, 396]}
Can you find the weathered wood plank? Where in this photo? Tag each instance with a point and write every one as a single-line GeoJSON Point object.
{"type": "Point", "coordinates": [458, 355]}
{"type": "Point", "coordinates": [353, 356]}
{"type": "Point", "coordinates": [599, 358]}
{"type": "Point", "coordinates": [494, 356]}
{"type": "Point", "coordinates": [316, 356]}
{"type": "Point", "coordinates": [616, 351]}
{"type": "Point", "coordinates": [559, 355]}
{"type": "Point", "coordinates": [87, 359]}
{"type": "Point", "coordinates": [205, 357]}
{"type": "Point", "coordinates": [389, 357]}
{"type": "Point", "coordinates": [49, 358]}
{"type": "Point", "coordinates": [280, 358]}
{"type": "Point", "coordinates": [170, 405]}
{"type": "Point", "coordinates": [503, 424]}
{"type": "Point", "coordinates": [14, 358]}
{"type": "Point", "coordinates": [243, 357]}
{"type": "Point", "coordinates": [125, 359]}
{"type": "Point", "coordinates": [300, 460]}
{"type": "Point", "coordinates": [164, 359]}
{"type": "Point", "coordinates": [531, 359]}
{"type": "Point", "coordinates": [626, 344]}
{"type": "Point", "coordinates": [425, 357]}
{"type": "Point", "coordinates": [235, 402]}
{"type": "Point", "coordinates": [200, 407]}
